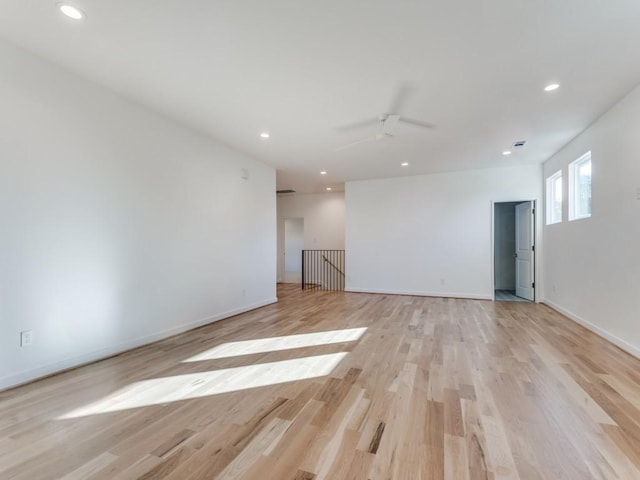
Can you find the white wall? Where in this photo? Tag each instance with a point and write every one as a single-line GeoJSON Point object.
{"type": "Point", "coordinates": [293, 244]}
{"type": "Point", "coordinates": [119, 226]}
{"type": "Point", "coordinates": [430, 234]}
{"type": "Point", "coordinates": [324, 222]}
{"type": "Point", "coordinates": [592, 266]}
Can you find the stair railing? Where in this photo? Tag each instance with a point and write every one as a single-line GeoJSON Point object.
{"type": "Point", "coordinates": [323, 269]}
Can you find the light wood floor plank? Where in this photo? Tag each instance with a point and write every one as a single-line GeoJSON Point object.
{"type": "Point", "coordinates": [334, 385]}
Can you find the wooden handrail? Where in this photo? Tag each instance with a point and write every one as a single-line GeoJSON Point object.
{"type": "Point", "coordinates": [329, 262]}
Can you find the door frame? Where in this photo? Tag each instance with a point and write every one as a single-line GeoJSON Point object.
{"type": "Point", "coordinates": [534, 203]}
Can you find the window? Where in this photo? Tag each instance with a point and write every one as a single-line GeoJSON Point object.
{"type": "Point", "coordinates": [580, 187]}
{"type": "Point", "coordinates": [554, 198]}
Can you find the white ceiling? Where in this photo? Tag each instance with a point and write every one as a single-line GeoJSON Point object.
{"type": "Point", "coordinates": [301, 70]}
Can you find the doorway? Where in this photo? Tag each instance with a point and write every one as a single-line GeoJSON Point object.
{"type": "Point", "coordinates": [514, 251]}
{"type": "Point", "coordinates": [293, 246]}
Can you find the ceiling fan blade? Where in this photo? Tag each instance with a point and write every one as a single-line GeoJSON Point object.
{"type": "Point", "coordinates": [400, 98]}
{"type": "Point", "coordinates": [417, 123]}
{"type": "Point", "coordinates": [356, 125]}
{"type": "Point", "coordinates": [353, 144]}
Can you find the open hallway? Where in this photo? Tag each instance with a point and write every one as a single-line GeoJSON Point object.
{"type": "Point", "coordinates": [326, 385]}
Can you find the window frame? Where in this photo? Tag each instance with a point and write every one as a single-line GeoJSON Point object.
{"type": "Point", "coordinates": [550, 194]}
{"type": "Point", "coordinates": [575, 188]}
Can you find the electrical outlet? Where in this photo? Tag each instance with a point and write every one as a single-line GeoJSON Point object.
{"type": "Point", "coordinates": [244, 292]}
{"type": "Point", "coordinates": [443, 281]}
{"type": "Point", "coordinates": [26, 338]}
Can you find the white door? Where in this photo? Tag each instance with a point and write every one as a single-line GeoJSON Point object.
{"type": "Point", "coordinates": [524, 251]}
{"type": "Point", "coordinates": [293, 245]}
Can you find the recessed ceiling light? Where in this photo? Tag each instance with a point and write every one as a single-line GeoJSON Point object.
{"type": "Point", "coordinates": [551, 87]}
{"type": "Point", "coordinates": [70, 11]}
{"type": "Point", "coordinates": [405, 164]}
{"type": "Point", "coordinates": [323, 172]}
{"type": "Point", "coordinates": [265, 135]}
{"type": "Point", "coordinates": [506, 152]}
{"type": "Point", "coordinates": [328, 189]}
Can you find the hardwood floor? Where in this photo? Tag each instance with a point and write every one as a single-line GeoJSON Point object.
{"type": "Point", "coordinates": [396, 388]}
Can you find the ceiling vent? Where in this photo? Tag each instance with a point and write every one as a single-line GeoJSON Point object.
{"type": "Point", "coordinates": [282, 192]}
{"type": "Point", "coordinates": [519, 144]}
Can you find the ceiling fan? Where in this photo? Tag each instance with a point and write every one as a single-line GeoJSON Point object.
{"type": "Point", "coordinates": [387, 122]}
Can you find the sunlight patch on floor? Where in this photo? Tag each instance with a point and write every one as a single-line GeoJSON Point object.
{"type": "Point", "coordinates": [158, 391]}
{"type": "Point", "coordinates": [274, 344]}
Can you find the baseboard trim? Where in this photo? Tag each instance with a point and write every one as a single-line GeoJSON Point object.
{"type": "Point", "coordinates": [617, 341]}
{"type": "Point", "coordinates": [471, 296]}
{"type": "Point", "coordinates": [28, 376]}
